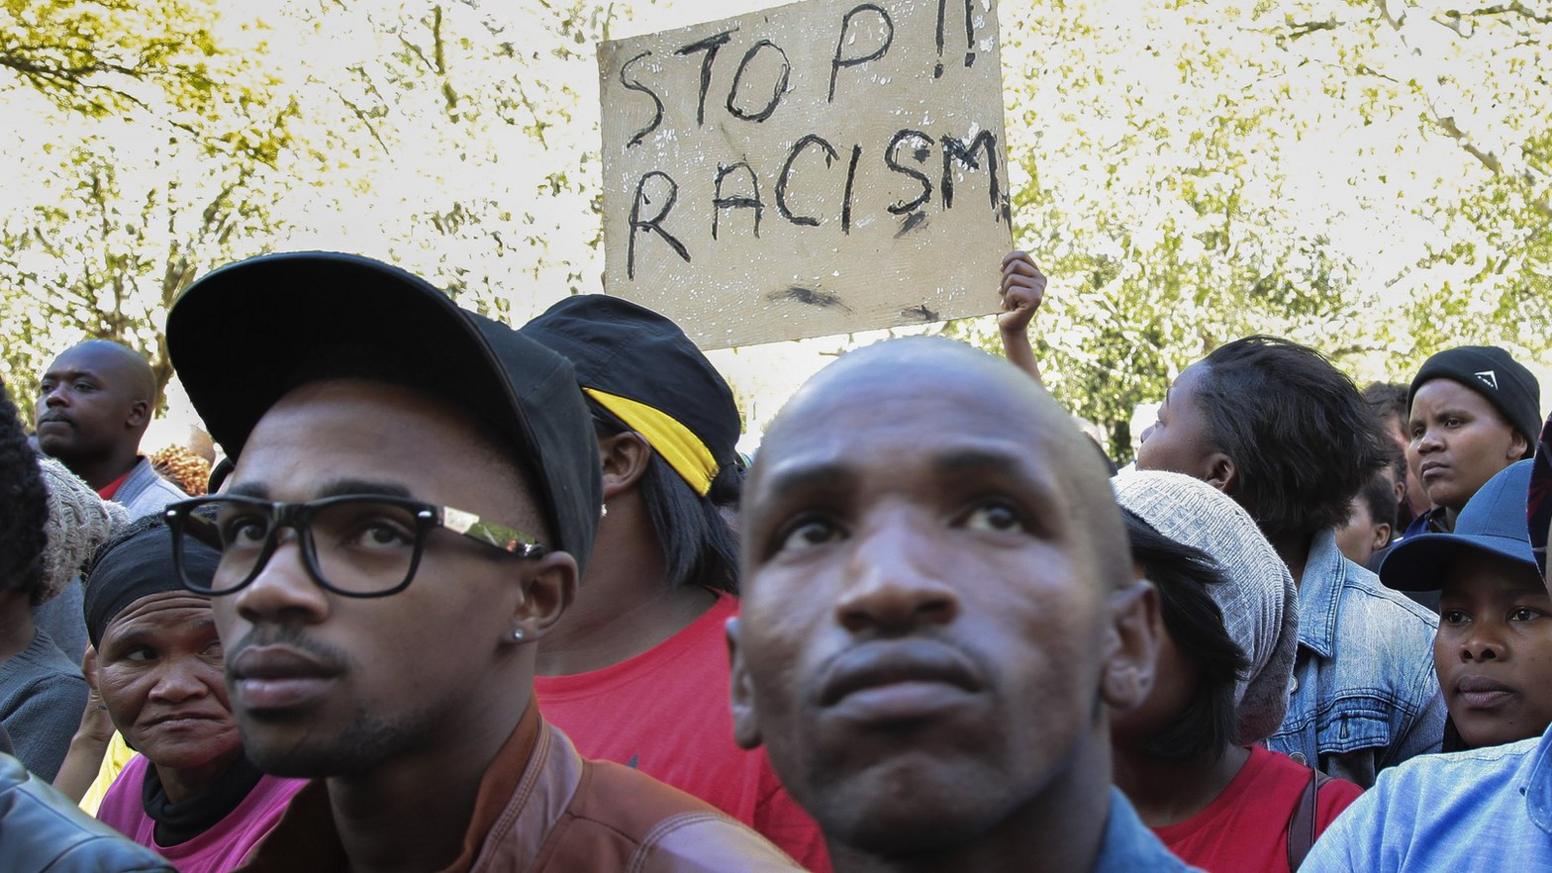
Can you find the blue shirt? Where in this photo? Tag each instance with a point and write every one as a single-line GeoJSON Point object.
{"type": "Point", "coordinates": [1129, 846]}
{"type": "Point", "coordinates": [1364, 695]}
{"type": "Point", "coordinates": [1486, 809]}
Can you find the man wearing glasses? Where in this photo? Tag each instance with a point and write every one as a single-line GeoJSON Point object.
{"type": "Point", "coordinates": [416, 488]}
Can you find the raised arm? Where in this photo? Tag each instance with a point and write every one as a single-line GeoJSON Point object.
{"type": "Point", "coordinates": [1022, 291]}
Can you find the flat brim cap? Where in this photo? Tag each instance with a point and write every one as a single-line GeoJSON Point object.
{"type": "Point", "coordinates": [1538, 500]}
{"type": "Point", "coordinates": [237, 336]}
{"type": "Point", "coordinates": [1492, 522]}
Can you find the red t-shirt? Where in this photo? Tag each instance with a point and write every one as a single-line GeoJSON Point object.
{"type": "Point", "coordinates": [107, 491]}
{"type": "Point", "coordinates": [1246, 827]}
{"type": "Point", "coordinates": [666, 713]}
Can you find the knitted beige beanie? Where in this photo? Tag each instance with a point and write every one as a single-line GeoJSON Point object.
{"type": "Point", "coordinates": [78, 522]}
{"type": "Point", "coordinates": [1259, 601]}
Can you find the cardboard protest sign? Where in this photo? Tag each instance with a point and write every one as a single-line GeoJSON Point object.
{"type": "Point", "coordinates": [817, 168]}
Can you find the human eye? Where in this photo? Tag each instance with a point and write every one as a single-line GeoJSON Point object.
{"type": "Point", "coordinates": [808, 533]}
{"type": "Point", "coordinates": [45, 387]}
{"type": "Point", "coordinates": [380, 533]}
{"type": "Point", "coordinates": [140, 653]}
{"type": "Point", "coordinates": [84, 386]}
{"type": "Point", "coordinates": [995, 516]}
{"type": "Point", "coordinates": [1525, 613]}
{"type": "Point", "coordinates": [244, 530]}
{"type": "Point", "coordinates": [1454, 616]}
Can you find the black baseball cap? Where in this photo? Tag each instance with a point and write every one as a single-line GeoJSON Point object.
{"type": "Point", "coordinates": [641, 367]}
{"type": "Point", "coordinates": [1492, 373]}
{"type": "Point", "coordinates": [239, 339]}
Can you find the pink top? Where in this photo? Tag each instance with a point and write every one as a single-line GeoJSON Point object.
{"type": "Point", "coordinates": [217, 850]}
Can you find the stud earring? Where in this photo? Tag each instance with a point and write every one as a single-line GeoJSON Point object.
{"type": "Point", "coordinates": [604, 512]}
{"type": "Point", "coordinates": [517, 635]}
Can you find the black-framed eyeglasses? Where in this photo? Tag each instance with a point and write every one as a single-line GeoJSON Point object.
{"type": "Point", "coordinates": [364, 545]}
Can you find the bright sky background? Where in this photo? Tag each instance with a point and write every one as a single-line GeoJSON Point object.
{"type": "Point", "coordinates": [763, 376]}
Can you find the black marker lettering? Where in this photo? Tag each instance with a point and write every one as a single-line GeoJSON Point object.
{"type": "Point", "coordinates": [777, 93]}
{"type": "Point", "coordinates": [955, 150]}
{"type": "Point", "coordinates": [710, 45]}
{"type": "Point", "coordinates": [657, 117]}
{"type": "Point", "coordinates": [851, 178]}
{"type": "Point", "coordinates": [937, 71]}
{"type": "Point", "coordinates": [720, 202]}
{"type": "Point", "coordinates": [837, 62]}
{"type": "Point", "coordinates": [786, 171]}
{"type": "Point", "coordinates": [893, 162]}
{"type": "Point", "coordinates": [653, 224]}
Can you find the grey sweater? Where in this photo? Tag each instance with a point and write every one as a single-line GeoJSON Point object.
{"type": "Point", "coordinates": [42, 695]}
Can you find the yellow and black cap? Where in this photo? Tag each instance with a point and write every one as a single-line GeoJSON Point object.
{"type": "Point", "coordinates": [641, 367]}
{"type": "Point", "coordinates": [240, 338]}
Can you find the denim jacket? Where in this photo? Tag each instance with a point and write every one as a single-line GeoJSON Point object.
{"type": "Point", "coordinates": [1364, 694]}
{"type": "Point", "coordinates": [1484, 809]}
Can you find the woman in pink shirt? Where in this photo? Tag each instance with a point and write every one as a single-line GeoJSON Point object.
{"type": "Point", "coordinates": [190, 794]}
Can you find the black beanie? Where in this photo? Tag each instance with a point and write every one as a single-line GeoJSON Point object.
{"type": "Point", "coordinates": [1489, 371]}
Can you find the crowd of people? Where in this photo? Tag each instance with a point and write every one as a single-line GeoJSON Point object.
{"type": "Point", "coordinates": [464, 597]}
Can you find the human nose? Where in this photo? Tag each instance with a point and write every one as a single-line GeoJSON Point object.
{"type": "Point", "coordinates": [1428, 441]}
{"type": "Point", "coordinates": [889, 590]}
{"type": "Point", "coordinates": [283, 589]}
{"type": "Point", "coordinates": [1482, 643]}
{"type": "Point", "coordinates": [179, 681]}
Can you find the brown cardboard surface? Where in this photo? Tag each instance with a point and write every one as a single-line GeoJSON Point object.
{"type": "Point", "coordinates": [816, 168]}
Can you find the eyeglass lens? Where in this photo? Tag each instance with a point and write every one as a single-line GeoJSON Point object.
{"type": "Point", "coordinates": [358, 546]}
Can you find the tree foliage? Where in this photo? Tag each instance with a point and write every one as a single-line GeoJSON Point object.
{"type": "Point", "coordinates": [1371, 178]}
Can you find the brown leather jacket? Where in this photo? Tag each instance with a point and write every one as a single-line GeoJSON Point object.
{"type": "Point", "coordinates": [559, 813]}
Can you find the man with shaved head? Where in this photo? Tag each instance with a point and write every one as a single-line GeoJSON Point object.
{"type": "Point", "coordinates": [939, 614]}
{"type": "Point", "coordinates": [94, 403]}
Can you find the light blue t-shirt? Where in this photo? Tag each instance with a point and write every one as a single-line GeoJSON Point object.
{"type": "Point", "coordinates": [1487, 809]}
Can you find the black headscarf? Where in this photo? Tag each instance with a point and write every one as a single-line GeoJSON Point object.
{"type": "Point", "coordinates": [139, 564]}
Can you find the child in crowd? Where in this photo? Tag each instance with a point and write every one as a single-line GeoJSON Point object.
{"type": "Point", "coordinates": [1373, 519]}
{"type": "Point", "coordinates": [1493, 651]}
{"type": "Point", "coordinates": [1192, 757]}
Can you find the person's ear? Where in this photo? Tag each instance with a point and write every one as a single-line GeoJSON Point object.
{"type": "Point", "coordinates": [139, 413]}
{"type": "Point", "coordinates": [1519, 447]}
{"type": "Point", "coordinates": [624, 458]}
{"type": "Point", "coordinates": [1221, 472]}
{"type": "Point", "coordinates": [1136, 626]}
{"type": "Point", "coordinates": [1381, 536]}
{"type": "Point", "coordinates": [89, 666]}
{"type": "Point", "coordinates": [549, 586]}
{"type": "Point", "coordinates": [746, 720]}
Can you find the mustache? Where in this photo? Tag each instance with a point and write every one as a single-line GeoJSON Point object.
{"type": "Point", "coordinates": [290, 636]}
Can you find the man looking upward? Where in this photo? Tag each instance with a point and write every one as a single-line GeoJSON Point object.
{"type": "Point", "coordinates": [937, 620]}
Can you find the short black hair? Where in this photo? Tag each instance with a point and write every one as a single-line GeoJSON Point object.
{"type": "Point", "coordinates": [1388, 398]}
{"type": "Point", "coordinates": [1379, 494]}
{"type": "Point", "coordinates": [698, 546]}
{"type": "Point", "coordinates": [1302, 439]}
{"type": "Point", "coordinates": [1182, 574]}
{"type": "Point", "coordinates": [23, 509]}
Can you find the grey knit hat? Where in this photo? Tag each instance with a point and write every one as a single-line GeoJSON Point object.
{"type": "Point", "coordinates": [1259, 602]}
{"type": "Point", "coordinates": [78, 522]}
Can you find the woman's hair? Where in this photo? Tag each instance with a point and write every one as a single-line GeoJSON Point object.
{"type": "Point", "coordinates": [1302, 439]}
{"type": "Point", "coordinates": [698, 546]}
{"type": "Point", "coordinates": [23, 509]}
{"type": "Point", "coordinates": [1182, 575]}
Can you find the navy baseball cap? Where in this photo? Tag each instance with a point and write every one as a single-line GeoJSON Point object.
{"type": "Point", "coordinates": [240, 338]}
{"type": "Point", "coordinates": [1538, 500]}
{"type": "Point", "coordinates": [1493, 521]}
